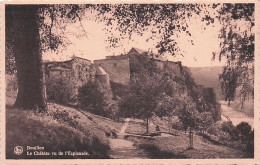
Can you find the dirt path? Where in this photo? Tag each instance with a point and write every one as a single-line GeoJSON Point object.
{"type": "Point", "coordinates": [122, 131]}
{"type": "Point", "coordinates": [124, 149]}
{"type": "Point", "coordinates": [236, 117]}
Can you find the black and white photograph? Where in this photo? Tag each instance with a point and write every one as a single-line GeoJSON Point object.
{"type": "Point", "coordinates": [129, 81]}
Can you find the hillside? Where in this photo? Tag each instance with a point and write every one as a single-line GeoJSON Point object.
{"type": "Point", "coordinates": [208, 77]}
{"type": "Point", "coordinates": [67, 129]}
{"type": "Point", "coordinates": [60, 129]}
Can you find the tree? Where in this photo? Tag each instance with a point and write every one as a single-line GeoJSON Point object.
{"type": "Point", "coordinates": [228, 80]}
{"type": "Point", "coordinates": [31, 26]}
{"type": "Point", "coordinates": [61, 89]}
{"type": "Point", "coordinates": [142, 98]}
{"type": "Point", "coordinates": [27, 35]}
{"type": "Point", "coordinates": [188, 117]}
{"type": "Point", "coordinates": [22, 27]}
{"type": "Point", "coordinates": [244, 130]}
{"type": "Point", "coordinates": [96, 98]}
{"type": "Point", "coordinates": [237, 47]}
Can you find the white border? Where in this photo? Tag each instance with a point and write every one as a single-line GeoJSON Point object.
{"type": "Point", "coordinates": [256, 159]}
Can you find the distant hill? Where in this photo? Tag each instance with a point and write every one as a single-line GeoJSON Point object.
{"type": "Point", "coordinates": [209, 77]}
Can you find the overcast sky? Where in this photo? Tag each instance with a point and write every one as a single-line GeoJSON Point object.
{"type": "Point", "coordinates": [93, 46]}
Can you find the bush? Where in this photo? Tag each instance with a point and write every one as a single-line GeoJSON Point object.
{"type": "Point", "coordinates": [206, 119]}
{"type": "Point", "coordinates": [63, 116]}
{"type": "Point", "coordinates": [97, 98]}
{"type": "Point", "coordinates": [244, 129]}
{"type": "Point", "coordinates": [250, 143]}
{"type": "Point", "coordinates": [246, 135]}
{"type": "Point", "coordinates": [61, 90]}
{"type": "Point", "coordinates": [223, 130]}
{"type": "Point", "coordinates": [228, 127]}
{"type": "Point", "coordinates": [219, 130]}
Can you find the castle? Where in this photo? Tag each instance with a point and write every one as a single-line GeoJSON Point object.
{"type": "Point", "coordinates": [119, 67]}
{"type": "Point", "coordinates": [116, 69]}
{"type": "Point", "coordinates": [116, 72]}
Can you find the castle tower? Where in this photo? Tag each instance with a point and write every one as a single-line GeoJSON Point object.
{"type": "Point", "coordinates": [102, 76]}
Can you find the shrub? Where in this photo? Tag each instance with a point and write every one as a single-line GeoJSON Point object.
{"type": "Point", "coordinates": [60, 89]}
{"type": "Point", "coordinates": [228, 127]}
{"type": "Point", "coordinates": [97, 98]}
{"type": "Point", "coordinates": [218, 131]}
{"type": "Point", "coordinates": [206, 119]}
{"type": "Point", "coordinates": [244, 130]}
{"type": "Point", "coordinates": [246, 136]}
{"type": "Point", "coordinates": [63, 116]}
{"type": "Point", "coordinates": [250, 143]}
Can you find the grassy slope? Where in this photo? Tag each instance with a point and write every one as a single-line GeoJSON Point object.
{"type": "Point", "coordinates": [86, 132]}
{"type": "Point", "coordinates": [176, 146]}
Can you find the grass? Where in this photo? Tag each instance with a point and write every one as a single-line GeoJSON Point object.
{"type": "Point", "coordinates": [60, 129]}
{"type": "Point", "coordinates": [25, 128]}
{"type": "Point", "coordinates": [176, 147]}
{"type": "Point", "coordinates": [156, 153]}
{"type": "Point", "coordinates": [165, 147]}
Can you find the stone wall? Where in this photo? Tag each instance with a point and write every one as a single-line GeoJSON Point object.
{"type": "Point", "coordinates": [117, 68]}
{"type": "Point", "coordinates": [170, 66]}
{"type": "Point", "coordinates": [78, 69]}
{"type": "Point", "coordinates": [175, 67]}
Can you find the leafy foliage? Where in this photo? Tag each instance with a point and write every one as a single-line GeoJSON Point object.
{"type": "Point", "coordinates": [60, 89]}
{"type": "Point", "coordinates": [158, 92]}
{"type": "Point", "coordinates": [244, 130]}
{"type": "Point", "coordinates": [97, 98]}
{"type": "Point", "coordinates": [163, 21]}
{"type": "Point", "coordinates": [188, 116]}
{"type": "Point", "coordinates": [237, 47]}
{"type": "Point", "coordinates": [63, 116]}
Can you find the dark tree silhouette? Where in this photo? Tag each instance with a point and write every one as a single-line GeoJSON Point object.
{"type": "Point", "coordinates": [22, 27]}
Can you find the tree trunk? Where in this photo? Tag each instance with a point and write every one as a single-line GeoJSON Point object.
{"type": "Point", "coordinates": [191, 138]}
{"type": "Point", "coordinates": [27, 52]}
{"type": "Point", "coordinates": [147, 125]}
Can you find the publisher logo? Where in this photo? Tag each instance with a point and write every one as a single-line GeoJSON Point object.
{"type": "Point", "coordinates": [18, 150]}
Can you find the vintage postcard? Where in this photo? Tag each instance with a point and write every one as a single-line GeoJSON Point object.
{"type": "Point", "coordinates": [130, 82]}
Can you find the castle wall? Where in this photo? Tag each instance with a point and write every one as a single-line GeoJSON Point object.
{"type": "Point", "coordinates": [78, 69]}
{"type": "Point", "coordinates": [118, 69]}
{"type": "Point", "coordinates": [175, 67]}
{"type": "Point", "coordinates": [160, 64]}
{"type": "Point", "coordinates": [81, 70]}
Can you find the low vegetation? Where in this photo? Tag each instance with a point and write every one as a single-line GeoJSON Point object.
{"type": "Point", "coordinates": [61, 90]}
{"type": "Point", "coordinates": [97, 98]}
{"type": "Point", "coordinates": [221, 140]}
{"type": "Point", "coordinates": [176, 147]}
{"type": "Point", "coordinates": [60, 129]}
